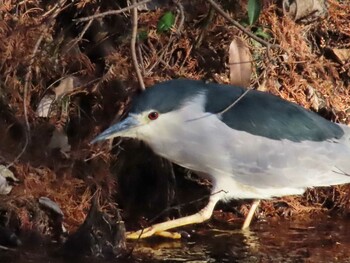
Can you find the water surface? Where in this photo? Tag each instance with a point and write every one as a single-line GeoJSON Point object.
{"type": "Point", "coordinates": [314, 240]}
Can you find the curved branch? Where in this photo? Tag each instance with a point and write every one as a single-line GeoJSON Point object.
{"type": "Point", "coordinates": [239, 26]}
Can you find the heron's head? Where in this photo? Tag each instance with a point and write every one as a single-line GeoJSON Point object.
{"type": "Point", "coordinates": [161, 107]}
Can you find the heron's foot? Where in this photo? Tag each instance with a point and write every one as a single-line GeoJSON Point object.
{"type": "Point", "coordinates": [151, 231]}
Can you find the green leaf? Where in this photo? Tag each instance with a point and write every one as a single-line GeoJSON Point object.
{"type": "Point", "coordinates": [254, 8]}
{"type": "Point", "coordinates": [244, 22]}
{"type": "Point", "coordinates": [166, 22]}
{"type": "Point", "coordinates": [261, 33]}
{"type": "Point", "coordinates": [142, 35]}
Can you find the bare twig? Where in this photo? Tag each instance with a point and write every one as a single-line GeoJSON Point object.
{"type": "Point", "coordinates": [25, 100]}
{"type": "Point", "coordinates": [81, 35]}
{"type": "Point", "coordinates": [102, 152]}
{"type": "Point", "coordinates": [234, 103]}
{"type": "Point", "coordinates": [7, 248]}
{"type": "Point", "coordinates": [225, 109]}
{"type": "Point", "coordinates": [27, 80]}
{"type": "Point", "coordinates": [59, 7]}
{"type": "Point", "coordinates": [113, 12]}
{"type": "Point", "coordinates": [161, 53]}
{"type": "Point", "coordinates": [133, 46]}
{"type": "Point", "coordinates": [171, 39]}
{"type": "Point", "coordinates": [188, 53]}
{"type": "Point", "coordinates": [161, 60]}
{"type": "Point", "coordinates": [55, 11]}
{"type": "Point", "coordinates": [240, 27]}
{"type": "Point", "coordinates": [142, 65]}
{"type": "Point", "coordinates": [182, 16]}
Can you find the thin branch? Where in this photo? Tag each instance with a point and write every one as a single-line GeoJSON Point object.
{"type": "Point", "coordinates": [142, 65]}
{"type": "Point", "coordinates": [25, 100]}
{"type": "Point", "coordinates": [27, 80]}
{"type": "Point", "coordinates": [182, 16]}
{"type": "Point", "coordinates": [133, 46]}
{"type": "Point", "coordinates": [56, 10]}
{"type": "Point", "coordinates": [113, 12]}
{"type": "Point", "coordinates": [7, 248]}
{"type": "Point", "coordinates": [234, 103]}
{"type": "Point", "coordinates": [161, 60]}
{"type": "Point", "coordinates": [81, 35]}
{"type": "Point", "coordinates": [225, 109]}
{"type": "Point", "coordinates": [163, 51]}
{"type": "Point", "coordinates": [240, 27]}
{"type": "Point", "coordinates": [176, 30]}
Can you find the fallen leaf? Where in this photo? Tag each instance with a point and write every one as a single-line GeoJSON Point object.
{"type": "Point", "coordinates": [44, 107]}
{"type": "Point", "coordinates": [5, 177]}
{"type": "Point", "coordinates": [66, 85]}
{"type": "Point", "coordinates": [313, 98]}
{"type": "Point", "coordinates": [51, 205]}
{"type": "Point", "coordinates": [262, 86]}
{"type": "Point", "coordinates": [304, 10]}
{"type": "Point", "coordinates": [342, 55]}
{"type": "Point", "coordinates": [240, 63]}
{"type": "Point", "coordinates": [59, 140]}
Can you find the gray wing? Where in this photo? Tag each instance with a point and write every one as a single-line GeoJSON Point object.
{"type": "Point", "coordinates": [264, 163]}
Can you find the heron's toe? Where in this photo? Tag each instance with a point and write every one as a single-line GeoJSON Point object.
{"type": "Point", "coordinates": [150, 231]}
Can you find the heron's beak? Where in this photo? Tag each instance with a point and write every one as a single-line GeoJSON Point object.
{"type": "Point", "coordinates": [120, 129]}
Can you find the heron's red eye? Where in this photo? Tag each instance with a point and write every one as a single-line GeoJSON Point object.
{"type": "Point", "coordinates": [153, 115]}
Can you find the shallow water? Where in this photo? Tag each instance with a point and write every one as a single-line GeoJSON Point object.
{"type": "Point", "coordinates": [326, 240]}
{"type": "Point", "coordinates": [317, 240]}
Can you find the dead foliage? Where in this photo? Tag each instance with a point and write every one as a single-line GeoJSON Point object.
{"type": "Point", "coordinates": [41, 44]}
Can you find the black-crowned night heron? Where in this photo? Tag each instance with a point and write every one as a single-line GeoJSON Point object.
{"type": "Point", "coordinates": [251, 145]}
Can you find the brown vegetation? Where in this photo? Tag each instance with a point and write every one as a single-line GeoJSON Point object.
{"type": "Point", "coordinates": [41, 44]}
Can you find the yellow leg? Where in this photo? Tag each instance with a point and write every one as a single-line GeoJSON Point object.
{"type": "Point", "coordinates": [250, 215]}
{"type": "Point", "coordinates": [160, 228]}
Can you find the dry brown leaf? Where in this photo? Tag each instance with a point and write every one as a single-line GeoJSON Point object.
{"type": "Point", "coordinates": [263, 87]}
{"type": "Point", "coordinates": [304, 10]}
{"type": "Point", "coordinates": [341, 54]}
{"type": "Point", "coordinates": [66, 85]}
{"type": "Point", "coordinates": [313, 98]}
{"type": "Point", "coordinates": [240, 63]}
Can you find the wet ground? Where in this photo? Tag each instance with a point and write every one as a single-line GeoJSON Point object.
{"type": "Point", "coordinates": [316, 240]}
